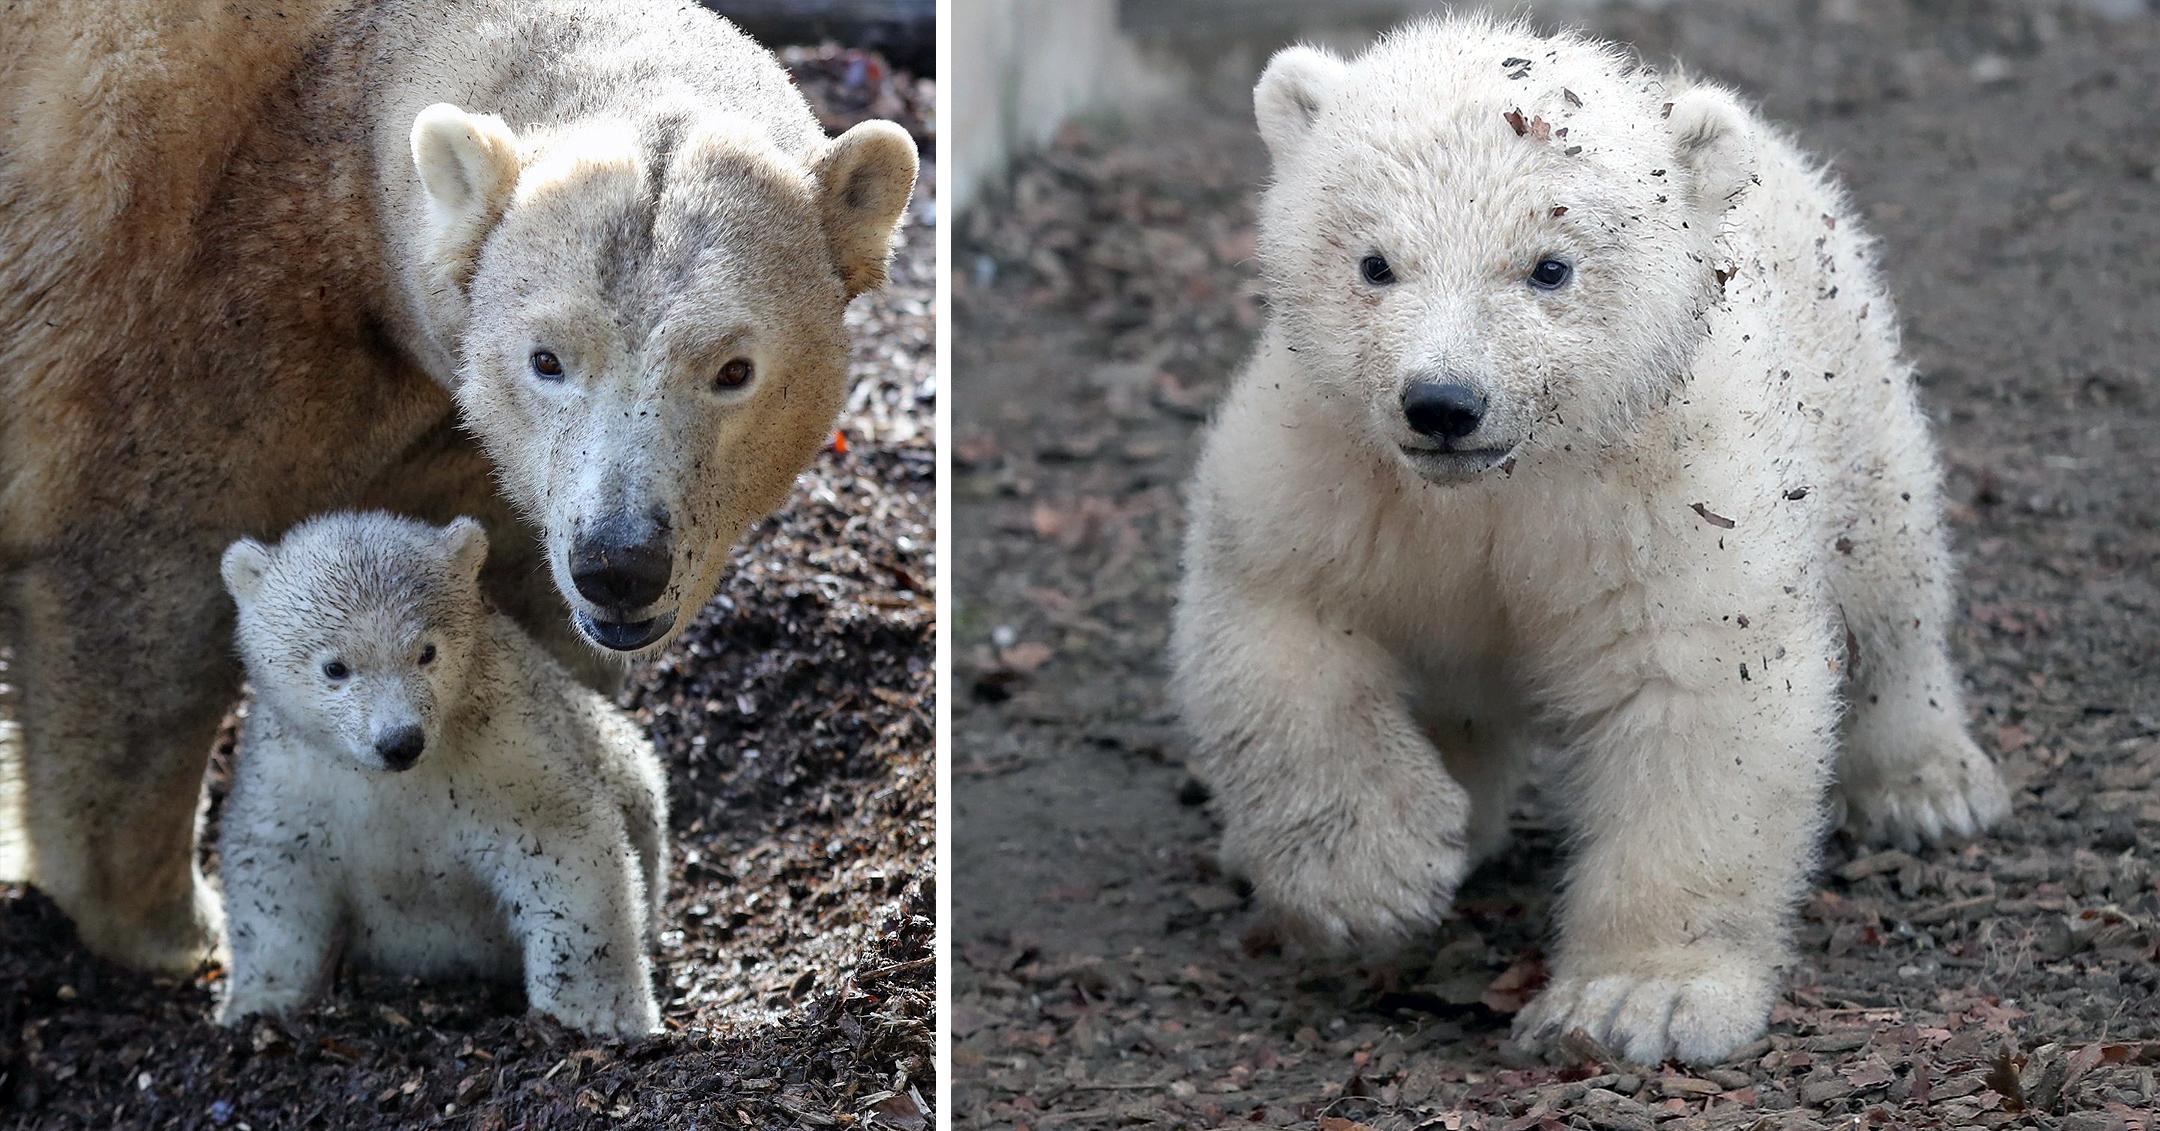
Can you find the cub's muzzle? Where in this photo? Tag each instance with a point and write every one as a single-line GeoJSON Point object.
{"type": "Point", "coordinates": [1443, 410]}
{"type": "Point", "coordinates": [401, 747]}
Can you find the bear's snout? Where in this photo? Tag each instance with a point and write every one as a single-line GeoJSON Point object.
{"type": "Point", "coordinates": [624, 564]}
{"type": "Point", "coordinates": [1443, 410]}
{"type": "Point", "coordinates": [400, 747]}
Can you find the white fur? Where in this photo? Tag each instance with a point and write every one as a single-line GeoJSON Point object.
{"type": "Point", "coordinates": [468, 166]}
{"type": "Point", "coordinates": [678, 453]}
{"type": "Point", "coordinates": [527, 842]}
{"type": "Point", "coordinates": [1375, 635]}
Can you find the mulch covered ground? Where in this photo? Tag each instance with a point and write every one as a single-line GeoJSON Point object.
{"type": "Point", "coordinates": [1108, 975]}
{"type": "Point", "coordinates": [796, 975]}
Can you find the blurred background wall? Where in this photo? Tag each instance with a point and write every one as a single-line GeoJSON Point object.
{"type": "Point", "coordinates": [1021, 68]}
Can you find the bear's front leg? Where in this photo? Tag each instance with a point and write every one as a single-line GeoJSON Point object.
{"type": "Point", "coordinates": [1334, 804]}
{"type": "Point", "coordinates": [1698, 794]}
{"type": "Point", "coordinates": [577, 919]}
{"type": "Point", "coordinates": [124, 667]}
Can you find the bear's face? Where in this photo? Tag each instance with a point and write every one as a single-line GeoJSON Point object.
{"type": "Point", "coordinates": [1478, 267]}
{"type": "Point", "coordinates": [654, 344]}
{"type": "Point", "coordinates": [359, 630]}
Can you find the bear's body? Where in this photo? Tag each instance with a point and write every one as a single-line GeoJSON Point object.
{"type": "Point", "coordinates": [1666, 504]}
{"type": "Point", "coordinates": [520, 838]}
{"type": "Point", "coordinates": [255, 264]}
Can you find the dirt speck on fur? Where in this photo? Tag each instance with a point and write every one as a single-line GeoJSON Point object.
{"type": "Point", "coordinates": [796, 969]}
{"type": "Point", "coordinates": [1108, 975]}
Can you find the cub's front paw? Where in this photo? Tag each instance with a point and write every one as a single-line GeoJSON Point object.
{"type": "Point", "coordinates": [239, 1004]}
{"type": "Point", "coordinates": [627, 1017]}
{"type": "Point", "coordinates": [1373, 881]}
{"type": "Point", "coordinates": [1952, 794]}
{"type": "Point", "coordinates": [1699, 1016]}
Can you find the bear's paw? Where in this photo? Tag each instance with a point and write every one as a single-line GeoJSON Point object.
{"type": "Point", "coordinates": [1652, 1014]}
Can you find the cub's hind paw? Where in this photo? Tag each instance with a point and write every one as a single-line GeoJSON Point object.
{"type": "Point", "coordinates": [630, 1019]}
{"type": "Point", "coordinates": [1955, 795]}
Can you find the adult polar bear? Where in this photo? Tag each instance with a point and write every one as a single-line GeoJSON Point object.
{"type": "Point", "coordinates": [256, 262]}
{"type": "Point", "coordinates": [1578, 424]}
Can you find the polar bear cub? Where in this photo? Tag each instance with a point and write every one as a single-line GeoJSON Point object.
{"type": "Point", "coordinates": [422, 787]}
{"type": "Point", "coordinates": [1579, 428]}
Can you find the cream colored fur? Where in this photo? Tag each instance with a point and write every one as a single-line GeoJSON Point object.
{"type": "Point", "coordinates": [1680, 500]}
{"type": "Point", "coordinates": [528, 841]}
{"type": "Point", "coordinates": [264, 259]}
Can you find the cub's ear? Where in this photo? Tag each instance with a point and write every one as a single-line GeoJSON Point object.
{"type": "Point", "coordinates": [243, 567]}
{"type": "Point", "coordinates": [468, 163]}
{"type": "Point", "coordinates": [1714, 138]}
{"type": "Point", "coordinates": [467, 546]}
{"type": "Point", "coordinates": [864, 179]}
{"type": "Point", "coordinates": [1291, 92]}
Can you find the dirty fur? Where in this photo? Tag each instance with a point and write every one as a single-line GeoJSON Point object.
{"type": "Point", "coordinates": [1690, 566]}
{"type": "Point", "coordinates": [231, 297]}
{"type": "Point", "coordinates": [524, 840]}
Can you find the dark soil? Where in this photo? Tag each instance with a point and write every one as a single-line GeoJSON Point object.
{"type": "Point", "coordinates": [796, 719]}
{"type": "Point", "coordinates": [1108, 975]}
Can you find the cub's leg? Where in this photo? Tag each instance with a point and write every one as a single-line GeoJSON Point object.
{"type": "Point", "coordinates": [1334, 804]}
{"type": "Point", "coordinates": [648, 841]}
{"type": "Point", "coordinates": [283, 921]}
{"type": "Point", "coordinates": [1910, 772]}
{"type": "Point", "coordinates": [580, 927]}
{"type": "Point", "coordinates": [1697, 798]}
{"type": "Point", "coordinates": [124, 667]}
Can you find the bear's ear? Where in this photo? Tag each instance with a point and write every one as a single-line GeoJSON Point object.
{"type": "Point", "coordinates": [1290, 94]}
{"type": "Point", "coordinates": [864, 179]}
{"type": "Point", "coordinates": [243, 567]}
{"type": "Point", "coordinates": [1715, 141]}
{"type": "Point", "coordinates": [467, 544]}
{"type": "Point", "coordinates": [468, 163]}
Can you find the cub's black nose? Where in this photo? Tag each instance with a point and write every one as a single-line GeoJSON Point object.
{"type": "Point", "coordinates": [1442, 410]}
{"type": "Point", "coordinates": [400, 748]}
{"type": "Point", "coordinates": [623, 564]}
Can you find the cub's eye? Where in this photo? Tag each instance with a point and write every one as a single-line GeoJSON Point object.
{"type": "Point", "coordinates": [1376, 271]}
{"type": "Point", "coordinates": [735, 374]}
{"type": "Point", "coordinates": [546, 366]}
{"type": "Point", "coordinates": [335, 670]}
{"type": "Point", "coordinates": [427, 655]}
{"type": "Point", "coordinates": [1550, 274]}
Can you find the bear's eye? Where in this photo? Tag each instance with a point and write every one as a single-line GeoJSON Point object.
{"type": "Point", "coordinates": [1376, 271]}
{"type": "Point", "coordinates": [427, 655]}
{"type": "Point", "coordinates": [1550, 274]}
{"type": "Point", "coordinates": [335, 670]}
{"type": "Point", "coordinates": [734, 375]}
{"type": "Point", "coordinates": [546, 366]}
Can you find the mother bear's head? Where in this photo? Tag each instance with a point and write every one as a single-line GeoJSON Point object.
{"type": "Point", "coordinates": [646, 316]}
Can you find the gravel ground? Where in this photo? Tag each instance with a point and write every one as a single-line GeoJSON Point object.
{"type": "Point", "coordinates": [795, 718]}
{"type": "Point", "coordinates": [1107, 975]}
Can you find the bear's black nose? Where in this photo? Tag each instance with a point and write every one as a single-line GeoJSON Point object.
{"type": "Point", "coordinates": [1443, 410]}
{"type": "Point", "coordinates": [400, 748]}
{"type": "Point", "coordinates": [623, 564]}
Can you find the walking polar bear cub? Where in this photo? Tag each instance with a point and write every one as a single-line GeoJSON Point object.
{"type": "Point", "coordinates": [1578, 425]}
{"type": "Point", "coordinates": [421, 787]}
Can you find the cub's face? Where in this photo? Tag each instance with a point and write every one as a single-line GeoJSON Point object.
{"type": "Point", "coordinates": [654, 346]}
{"type": "Point", "coordinates": [359, 630]}
{"type": "Point", "coordinates": [1469, 283]}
